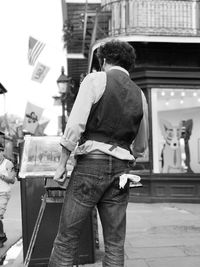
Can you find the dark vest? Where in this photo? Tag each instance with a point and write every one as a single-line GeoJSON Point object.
{"type": "Point", "coordinates": [116, 117]}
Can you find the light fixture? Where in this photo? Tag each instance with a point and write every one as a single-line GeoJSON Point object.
{"type": "Point", "coordinates": [194, 93]}
{"type": "Point", "coordinates": [182, 93]}
{"type": "Point", "coordinates": [63, 82]}
{"type": "Point", "coordinates": [163, 93]}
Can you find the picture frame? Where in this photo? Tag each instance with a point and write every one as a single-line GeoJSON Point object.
{"type": "Point", "coordinates": [40, 157]}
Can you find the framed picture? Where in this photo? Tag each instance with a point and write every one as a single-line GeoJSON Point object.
{"type": "Point", "coordinates": [41, 155]}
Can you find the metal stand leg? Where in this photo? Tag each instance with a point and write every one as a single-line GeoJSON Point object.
{"type": "Point", "coordinates": [35, 231]}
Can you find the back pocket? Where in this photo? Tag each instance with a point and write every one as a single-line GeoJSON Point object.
{"type": "Point", "coordinates": [87, 188]}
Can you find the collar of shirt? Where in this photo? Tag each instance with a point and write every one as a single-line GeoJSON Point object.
{"type": "Point", "coordinates": [119, 68]}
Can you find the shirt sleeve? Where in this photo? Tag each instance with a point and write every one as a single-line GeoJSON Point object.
{"type": "Point", "coordinates": [90, 91]}
{"type": "Point", "coordinates": [141, 141]}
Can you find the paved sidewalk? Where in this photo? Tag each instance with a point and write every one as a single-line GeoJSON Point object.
{"type": "Point", "coordinates": [158, 235]}
{"type": "Point", "coordinates": [162, 235]}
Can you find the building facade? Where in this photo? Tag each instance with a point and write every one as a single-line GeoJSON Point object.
{"type": "Point", "coordinates": [166, 36]}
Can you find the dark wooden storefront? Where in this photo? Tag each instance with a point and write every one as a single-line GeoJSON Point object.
{"type": "Point", "coordinates": [166, 65]}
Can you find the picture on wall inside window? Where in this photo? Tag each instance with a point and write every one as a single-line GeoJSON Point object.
{"type": "Point", "coordinates": [175, 153]}
{"type": "Point", "coordinates": [175, 130]}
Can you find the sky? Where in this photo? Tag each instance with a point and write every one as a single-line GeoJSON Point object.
{"type": "Point", "coordinates": [41, 19]}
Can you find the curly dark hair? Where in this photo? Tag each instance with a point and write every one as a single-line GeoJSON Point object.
{"type": "Point", "coordinates": [117, 53]}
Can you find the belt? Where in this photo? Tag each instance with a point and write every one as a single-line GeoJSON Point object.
{"type": "Point", "coordinates": [95, 156]}
{"type": "Point", "coordinates": [103, 156]}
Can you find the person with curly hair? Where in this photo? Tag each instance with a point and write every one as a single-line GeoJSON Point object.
{"type": "Point", "coordinates": [107, 130]}
{"type": "Point", "coordinates": [7, 177]}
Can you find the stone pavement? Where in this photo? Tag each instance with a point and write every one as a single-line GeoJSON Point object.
{"type": "Point", "coordinates": [162, 235]}
{"type": "Point", "coordinates": [158, 235]}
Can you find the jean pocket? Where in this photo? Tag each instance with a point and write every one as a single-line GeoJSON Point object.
{"type": "Point", "coordinates": [87, 188]}
{"type": "Point", "coordinates": [118, 194]}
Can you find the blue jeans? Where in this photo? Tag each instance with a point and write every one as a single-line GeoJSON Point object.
{"type": "Point", "coordinates": [93, 182]}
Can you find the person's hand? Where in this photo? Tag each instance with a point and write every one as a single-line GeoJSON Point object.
{"type": "Point", "coordinates": [61, 172]}
{"type": "Point", "coordinates": [60, 175]}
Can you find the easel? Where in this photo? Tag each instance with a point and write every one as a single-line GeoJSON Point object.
{"type": "Point", "coordinates": [53, 194]}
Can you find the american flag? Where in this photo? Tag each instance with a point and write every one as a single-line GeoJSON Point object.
{"type": "Point", "coordinates": [35, 47]}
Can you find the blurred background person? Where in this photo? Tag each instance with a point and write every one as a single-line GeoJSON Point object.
{"type": "Point", "coordinates": [7, 177]}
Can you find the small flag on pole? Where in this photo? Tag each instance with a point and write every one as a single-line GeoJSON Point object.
{"type": "Point", "coordinates": [32, 116]}
{"type": "Point", "coordinates": [40, 72]}
{"type": "Point", "coordinates": [35, 47]}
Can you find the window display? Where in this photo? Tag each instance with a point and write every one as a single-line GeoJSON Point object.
{"type": "Point", "coordinates": [175, 126]}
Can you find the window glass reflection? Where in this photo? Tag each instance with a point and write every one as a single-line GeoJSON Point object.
{"type": "Point", "coordinates": [176, 134]}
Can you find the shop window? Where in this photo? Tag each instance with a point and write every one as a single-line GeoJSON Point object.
{"type": "Point", "coordinates": [175, 130]}
{"type": "Point", "coordinates": [142, 164]}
